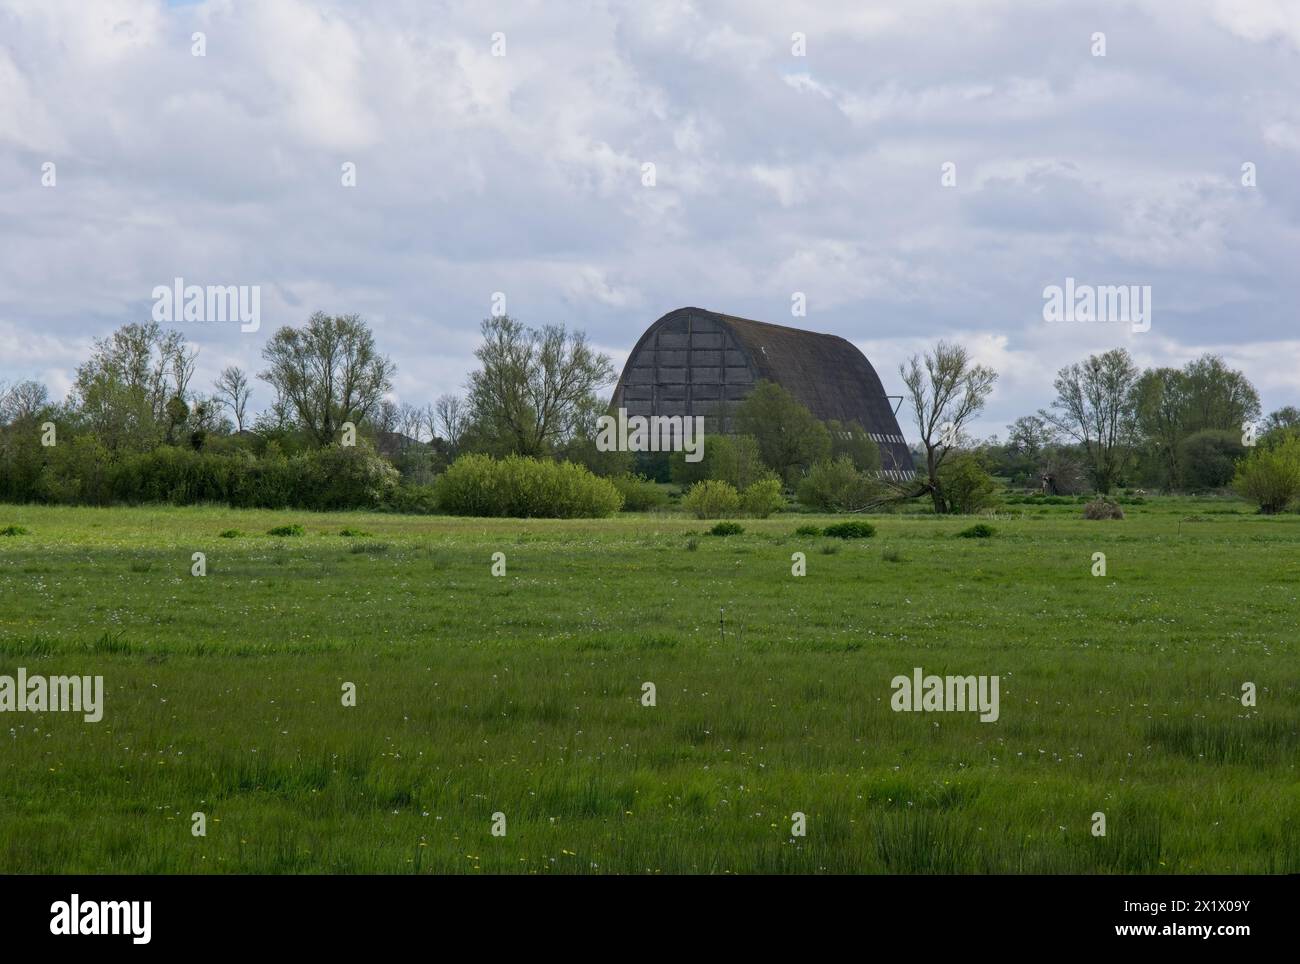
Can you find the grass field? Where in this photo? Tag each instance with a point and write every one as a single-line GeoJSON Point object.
{"type": "Point", "coordinates": [521, 694]}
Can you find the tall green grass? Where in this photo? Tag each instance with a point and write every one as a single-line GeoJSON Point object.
{"type": "Point", "coordinates": [522, 694]}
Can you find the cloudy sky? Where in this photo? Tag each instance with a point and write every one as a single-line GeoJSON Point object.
{"type": "Point", "coordinates": [774, 173]}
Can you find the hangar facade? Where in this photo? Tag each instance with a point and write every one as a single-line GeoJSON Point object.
{"type": "Point", "coordinates": [697, 362]}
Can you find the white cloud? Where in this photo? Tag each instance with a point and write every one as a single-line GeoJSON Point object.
{"type": "Point", "coordinates": [1259, 20]}
{"type": "Point", "coordinates": [775, 173]}
{"type": "Point", "coordinates": [589, 283]}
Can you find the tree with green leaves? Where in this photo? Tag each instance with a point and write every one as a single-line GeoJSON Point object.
{"type": "Point", "coordinates": [125, 391]}
{"type": "Point", "coordinates": [1281, 424]}
{"type": "Point", "coordinates": [1030, 435]}
{"type": "Point", "coordinates": [1218, 397]}
{"type": "Point", "coordinates": [1172, 405]}
{"type": "Point", "coordinates": [1160, 407]}
{"type": "Point", "coordinates": [533, 385]}
{"type": "Point", "coordinates": [1285, 418]}
{"type": "Point", "coordinates": [327, 373]}
{"type": "Point", "coordinates": [1209, 458]}
{"type": "Point", "coordinates": [789, 436]}
{"type": "Point", "coordinates": [947, 390]}
{"type": "Point", "coordinates": [1095, 406]}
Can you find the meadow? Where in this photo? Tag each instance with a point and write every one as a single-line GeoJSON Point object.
{"type": "Point", "coordinates": [522, 694]}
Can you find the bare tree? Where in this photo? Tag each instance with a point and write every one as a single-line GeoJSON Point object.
{"type": "Point", "coordinates": [946, 391]}
{"type": "Point", "coordinates": [429, 421]}
{"type": "Point", "coordinates": [183, 360]}
{"type": "Point", "coordinates": [1095, 406]}
{"type": "Point", "coordinates": [233, 392]}
{"type": "Point", "coordinates": [409, 421]}
{"type": "Point", "coordinates": [329, 371]}
{"type": "Point", "coordinates": [385, 416]}
{"type": "Point", "coordinates": [22, 400]}
{"type": "Point", "coordinates": [446, 419]}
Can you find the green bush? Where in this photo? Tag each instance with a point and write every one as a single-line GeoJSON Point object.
{"type": "Point", "coordinates": [712, 499]}
{"type": "Point", "coordinates": [978, 531]}
{"type": "Point", "coordinates": [524, 488]}
{"type": "Point", "coordinates": [836, 486]}
{"type": "Point", "coordinates": [13, 531]}
{"type": "Point", "coordinates": [965, 485]}
{"type": "Point", "coordinates": [339, 477]}
{"type": "Point", "coordinates": [231, 534]}
{"type": "Point", "coordinates": [639, 493]}
{"type": "Point", "coordinates": [410, 499]}
{"type": "Point", "coordinates": [762, 498]}
{"type": "Point", "coordinates": [727, 529]}
{"type": "Point", "coordinates": [856, 529]}
{"type": "Point", "coordinates": [1270, 477]}
{"type": "Point", "coordinates": [170, 474]}
{"type": "Point", "coordinates": [350, 533]}
{"type": "Point", "coordinates": [726, 458]}
{"type": "Point", "coordinates": [289, 530]}
{"type": "Point", "coordinates": [77, 473]}
{"type": "Point", "coordinates": [808, 531]}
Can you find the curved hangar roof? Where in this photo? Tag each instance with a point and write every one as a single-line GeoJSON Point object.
{"type": "Point", "coordinates": [694, 362]}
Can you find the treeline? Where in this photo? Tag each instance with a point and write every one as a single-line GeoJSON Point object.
{"type": "Point", "coordinates": [135, 428]}
{"type": "Point", "coordinates": [1110, 427]}
{"type": "Point", "coordinates": [1164, 429]}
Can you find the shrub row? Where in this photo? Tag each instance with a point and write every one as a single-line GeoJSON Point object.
{"type": "Point", "coordinates": [83, 472]}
